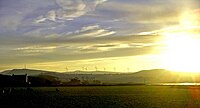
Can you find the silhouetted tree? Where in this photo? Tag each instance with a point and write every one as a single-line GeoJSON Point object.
{"type": "Point", "coordinates": [74, 81]}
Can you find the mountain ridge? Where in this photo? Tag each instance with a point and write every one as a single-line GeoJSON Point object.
{"type": "Point", "coordinates": [143, 76]}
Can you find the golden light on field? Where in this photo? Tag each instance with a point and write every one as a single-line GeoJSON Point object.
{"type": "Point", "coordinates": [182, 52]}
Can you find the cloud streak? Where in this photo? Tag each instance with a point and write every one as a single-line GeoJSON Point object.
{"type": "Point", "coordinates": [35, 31]}
{"type": "Point", "coordinates": [69, 10]}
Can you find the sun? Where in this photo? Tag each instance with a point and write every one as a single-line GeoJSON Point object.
{"type": "Point", "coordinates": [182, 44]}
{"type": "Point", "coordinates": [182, 52]}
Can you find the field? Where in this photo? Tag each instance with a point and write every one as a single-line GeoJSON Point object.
{"type": "Point", "coordinates": [102, 97]}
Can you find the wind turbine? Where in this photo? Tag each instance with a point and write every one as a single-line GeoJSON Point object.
{"type": "Point", "coordinates": [83, 68]}
{"type": "Point", "coordinates": [24, 66]}
{"type": "Point", "coordinates": [66, 69]}
{"type": "Point", "coordinates": [128, 69]}
{"type": "Point", "coordinates": [96, 68]}
{"type": "Point", "coordinates": [104, 69]}
{"type": "Point", "coordinates": [114, 69]}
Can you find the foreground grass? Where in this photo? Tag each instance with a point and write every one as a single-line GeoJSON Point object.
{"type": "Point", "coordinates": [103, 97]}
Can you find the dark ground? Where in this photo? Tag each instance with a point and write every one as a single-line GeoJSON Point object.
{"type": "Point", "coordinates": [102, 97]}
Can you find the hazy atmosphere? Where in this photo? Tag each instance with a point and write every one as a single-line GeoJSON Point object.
{"type": "Point", "coordinates": [109, 35]}
{"type": "Point", "coordinates": [99, 53]}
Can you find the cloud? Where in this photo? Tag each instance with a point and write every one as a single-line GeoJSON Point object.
{"type": "Point", "coordinates": [13, 14]}
{"type": "Point", "coordinates": [91, 31]}
{"type": "Point", "coordinates": [94, 48]}
{"type": "Point", "coordinates": [69, 10]}
{"type": "Point", "coordinates": [145, 15]}
{"type": "Point", "coordinates": [85, 29]}
{"type": "Point", "coordinates": [91, 27]}
{"type": "Point", "coordinates": [135, 12]}
{"type": "Point", "coordinates": [36, 50]}
{"type": "Point", "coordinates": [40, 19]}
{"type": "Point", "coordinates": [174, 29]}
{"type": "Point", "coordinates": [60, 48]}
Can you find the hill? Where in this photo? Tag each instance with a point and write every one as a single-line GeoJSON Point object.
{"type": "Point", "coordinates": [91, 72]}
{"type": "Point", "coordinates": [144, 76]}
{"type": "Point", "coordinates": [29, 72]}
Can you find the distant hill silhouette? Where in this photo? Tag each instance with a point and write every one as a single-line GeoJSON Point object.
{"type": "Point", "coordinates": [91, 72]}
{"type": "Point", "coordinates": [144, 76]}
{"type": "Point", "coordinates": [23, 71]}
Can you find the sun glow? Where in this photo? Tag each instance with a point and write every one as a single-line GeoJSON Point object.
{"type": "Point", "coordinates": [182, 45]}
{"type": "Point", "coordinates": [182, 52]}
{"type": "Point", "coordinates": [190, 18]}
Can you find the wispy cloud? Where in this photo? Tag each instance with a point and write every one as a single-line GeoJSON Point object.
{"type": "Point", "coordinates": [69, 9]}
{"type": "Point", "coordinates": [92, 31]}
{"type": "Point", "coordinates": [35, 50]}
{"type": "Point", "coordinates": [35, 31]}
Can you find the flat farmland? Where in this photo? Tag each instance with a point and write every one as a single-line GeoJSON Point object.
{"type": "Point", "coordinates": [101, 97]}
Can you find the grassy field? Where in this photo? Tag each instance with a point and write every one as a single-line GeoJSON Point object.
{"type": "Point", "coordinates": [102, 97]}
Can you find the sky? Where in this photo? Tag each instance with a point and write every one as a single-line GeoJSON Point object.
{"type": "Point", "coordinates": [110, 35]}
